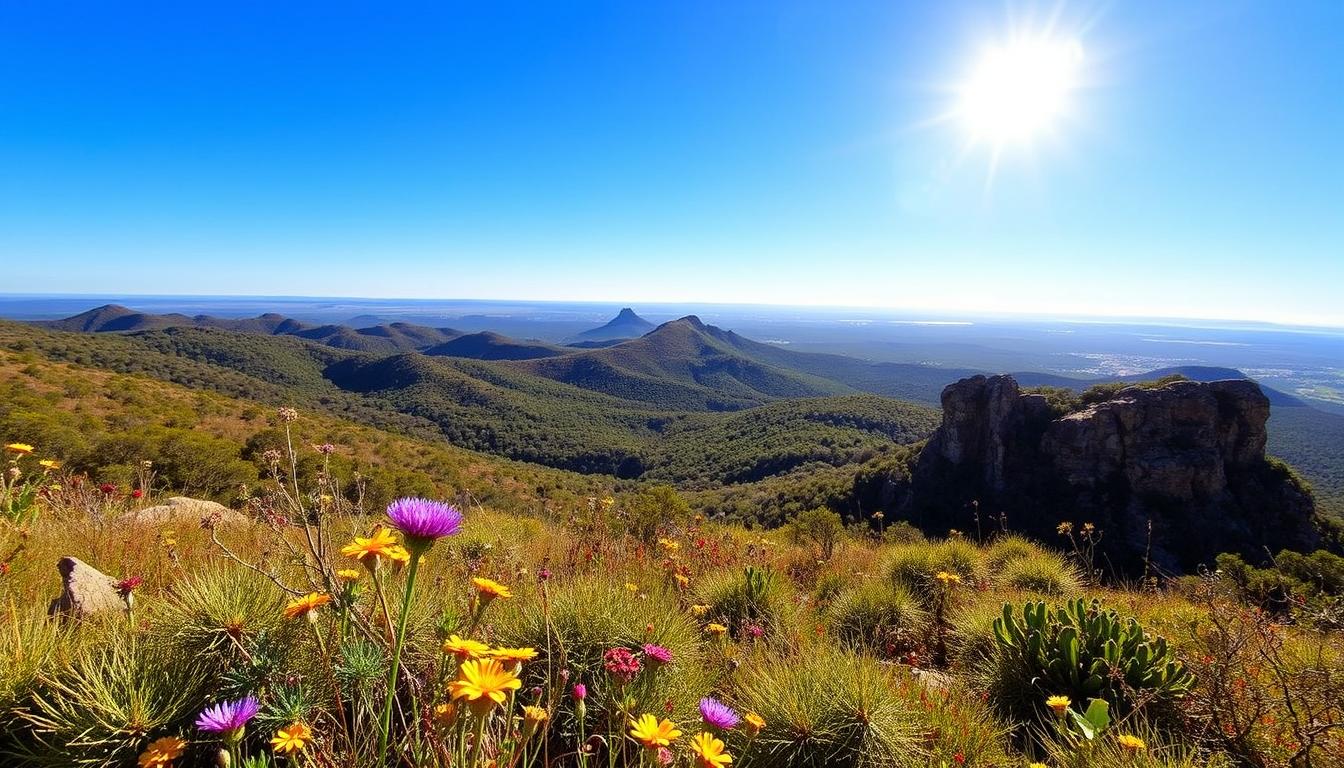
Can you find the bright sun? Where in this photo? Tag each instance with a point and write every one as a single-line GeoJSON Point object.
{"type": "Point", "coordinates": [1019, 90]}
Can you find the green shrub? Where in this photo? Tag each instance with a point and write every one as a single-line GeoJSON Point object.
{"type": "Point", "coordinates": [879, 617]}
{"type": "Point", "coordinates": [1083, 652]}
{"type": "Point", "coordinates": [1042, 572]}
{"type": "Point", "coordinates": [825, 707]}
{"type": "Point", "coordinates": [818, 528]}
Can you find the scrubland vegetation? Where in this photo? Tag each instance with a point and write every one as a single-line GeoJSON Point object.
{"type": "Point", "coordinates": [625, 629]}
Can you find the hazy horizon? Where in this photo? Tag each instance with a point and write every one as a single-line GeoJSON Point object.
{"type": "Point", "coordinates": [163, 302]}
{"type": "Point", "coordinates": [1135, 160]}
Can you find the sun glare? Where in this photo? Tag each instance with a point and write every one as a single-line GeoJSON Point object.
{"type": "Point", "coordinates": [1019, 90]}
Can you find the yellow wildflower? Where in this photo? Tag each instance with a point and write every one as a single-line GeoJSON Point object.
{"type": "Point", "coordinates": [489, 590]}
{"type": "Point", "coordinates": [288, 741]}
{"type": "Point", "coordinates": [162, 752]}
{"type": "Point", "coordinates": [1060, 704]}
{"type": "Point", "coordinates": [483, 684]}
{"type": "Point", "coordinates": [947, 578]}
{"type": "Point", "coordinates": [699, 611]}
{"type": "Point", "coordinates": [709, 751]}
{"type": "Point", "coordinates": [373, 550]}
{"type": "Point", "coordinates": [716, 629]}
{"type": "Point", "coordinates": [49, 464]}
{"type": "Point", "coordinates": [1131, 743]}
{"type": "Point", "coordinates": [755, 723]}
{"type": "Point", "coordinates": [516, 655]}
{"type": "Point", "coordinates": [348, 574]}
{"type": "Point", "coordinates": [464, 648]}
{"type": "Point", "coordinates": [652, 733]}
{"type": "Point", "coordinates": [19, 449]}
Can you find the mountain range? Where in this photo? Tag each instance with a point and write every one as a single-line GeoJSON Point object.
{"type": "Point", "coordinates": [685, 402]}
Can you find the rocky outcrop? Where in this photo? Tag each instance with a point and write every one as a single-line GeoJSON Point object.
{"type": "Point", "coordinates": [1186, 458]}
{"type": "Point", "coordinates": [85, 591]}
{"type": "Point", "coordinates": [186, 510]}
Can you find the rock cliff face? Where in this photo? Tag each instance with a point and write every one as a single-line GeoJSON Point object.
{"type": "Point", "coordinates": [1187, 458]}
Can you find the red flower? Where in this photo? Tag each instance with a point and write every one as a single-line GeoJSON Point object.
{"type": "Point", "coordinates": [137, 493]}
{"type": "Point", "coordinates": [129, 584]}
{"type": "Point", "coordinates": [959, 758]}
{"type": "Point", "coordinates": [108, 489]}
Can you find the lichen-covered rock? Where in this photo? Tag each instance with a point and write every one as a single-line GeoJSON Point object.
{"type": "Point", "coordinates": [1186, 458]}
{"type": "Point", "coordinates": [85, 591]}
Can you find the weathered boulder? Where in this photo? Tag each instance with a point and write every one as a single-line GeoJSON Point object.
{"type": "Point", "coordinates": [180, 510]}
{"type": "Point", "coordinates": [1186, 459]}
{"type": "Point", "coordinates": [85, 591]}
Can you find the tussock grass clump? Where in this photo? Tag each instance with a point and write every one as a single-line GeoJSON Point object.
{"type": "Point", "coordinates": [110, 702]}
{"type": "Point", "coordinates": [741, 600]}
{"type": "Point", "coordinates": [879, 617]}
{"type": "Point", "coordinates": [826, 707]}
{"type": "Point", "coordinates": [1042, 572]}
{"type": "Point", "coordinates": [1009, 548]}
{"type": "Point", "coordinates": [30, 645]}
{"type": "Point", "coordinates": [218, 612]}
{"type": "Point", "coordinates": [915, 566]}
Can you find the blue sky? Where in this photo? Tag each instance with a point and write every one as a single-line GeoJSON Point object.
{"type": "Point", "coordinates": [767, 152]}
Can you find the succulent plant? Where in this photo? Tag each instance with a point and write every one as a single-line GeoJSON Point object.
{"type": "Point", "coordinates": [1085, 652]}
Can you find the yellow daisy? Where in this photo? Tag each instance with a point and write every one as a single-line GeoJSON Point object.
{"type": "Point", "coordinates": [490, 589]}
{"type": "Point", "coordinates": [652, 733]}
{"type": "Point", "coordinates": [304, 606]}
{"type": "Point", "coordinates": [292, 739]}
{"type": "Point", "coordinates": [484, 684]}
{"type": "Point", "coordinates": [465, 649]}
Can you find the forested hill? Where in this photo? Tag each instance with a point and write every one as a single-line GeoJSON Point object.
{"type": "Point", "coordinates": [688, 403]}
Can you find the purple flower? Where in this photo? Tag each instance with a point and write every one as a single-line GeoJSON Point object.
{"type": "Point", "coordinates": [580, 691]}
{"type": "Point", "coordinates": [423, 520]}
{"type": "Point", "coordinates": [657, 653]}
{"type": "Point", "coordinates": [227, 715]}
{"type": "Point", "coordinates": [718, 714]}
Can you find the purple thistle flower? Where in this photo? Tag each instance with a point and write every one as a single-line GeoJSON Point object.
{"type": "Point", "coordinates": [580, 691]}
{"type": "Point", "coordinates": [718, 714]}
{"type": "Point", "coordinates": [227, 715]}
{"type": "Point", "coordinates": [424, 520]}
{"type": "Point", "coordinates": [657, 653]}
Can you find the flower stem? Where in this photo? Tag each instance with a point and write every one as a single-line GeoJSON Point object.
{"type": "Point", "coordinates": [416, 553]}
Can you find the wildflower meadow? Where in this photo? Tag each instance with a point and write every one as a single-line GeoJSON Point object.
{"type": "Point", "coordinates": [306, 630]}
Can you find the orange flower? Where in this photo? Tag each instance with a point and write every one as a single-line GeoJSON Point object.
{"type": "Point", "coordinates": [489, 589]}
{"type": "Point", "coordinates": [709, 751]}
{"type": "Point", "coordinates": [162, 752]}
{"type": "Point", "coordinates": [304, 606]}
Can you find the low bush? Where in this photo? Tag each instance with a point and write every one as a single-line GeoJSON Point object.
{"type": "Point", "coordinates": [878, 617]}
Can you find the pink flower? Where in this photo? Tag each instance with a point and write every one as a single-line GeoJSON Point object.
{"type": "Point", "coordinates": [657, 653]}
{"type": "Point", "coordinates": [621, 664]}
{"type": "Point", "coordinates": [129, 584]}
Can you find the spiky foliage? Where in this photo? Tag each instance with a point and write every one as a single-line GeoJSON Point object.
{"type": "Point", "coordinates": [111, 701]}
{"type": "Point", "coordinates": [879, 617]}
{"type": "Point", "coordinates": [914, 566]}
{"type": "Point", "coordinates": [1083, 652]}
{"type": "Point", "coordinates": [1042, 572]}
{"type": "Point", "coordinates": [30, 645]}
{"type": "Point", "coordinates": [826, 707]}
{"type": "Point", "coordinates": [219, 612]}
{"type": "Point", "coordinates": [753, 596]}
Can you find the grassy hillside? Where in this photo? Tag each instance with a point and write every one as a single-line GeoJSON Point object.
{"type": "Point", "coordinates": [205, 444]}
